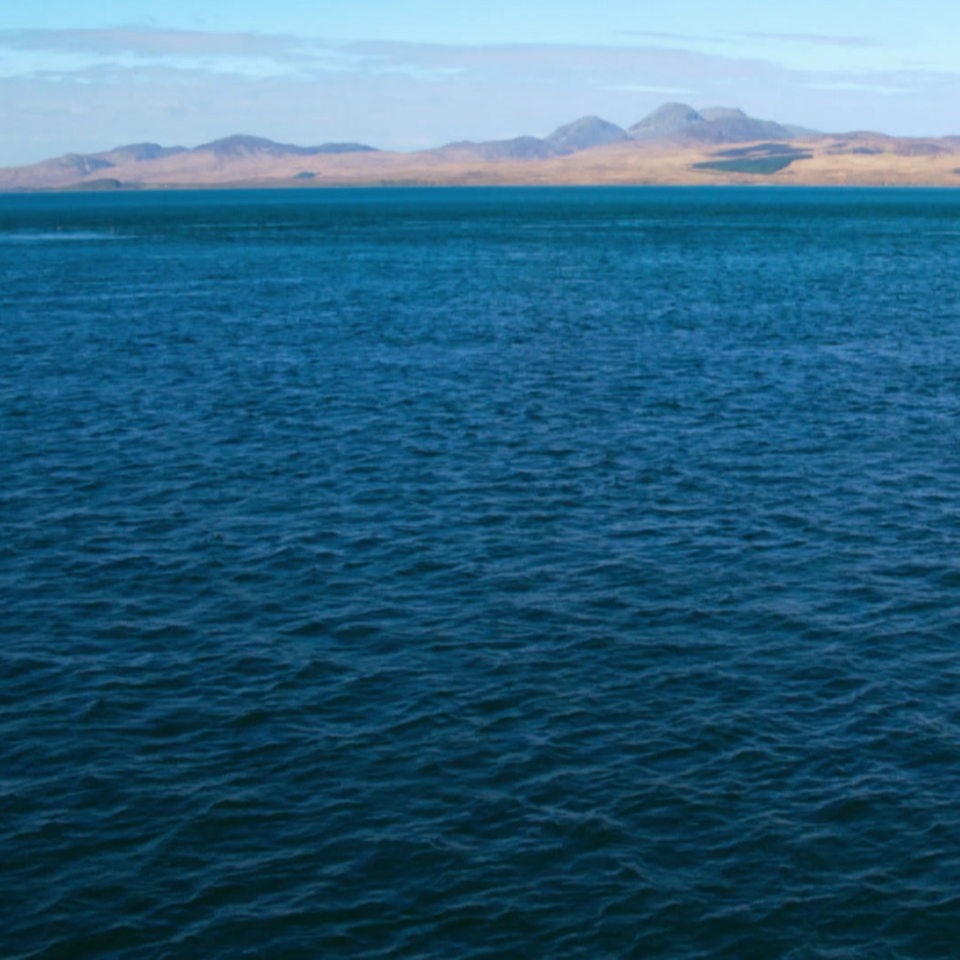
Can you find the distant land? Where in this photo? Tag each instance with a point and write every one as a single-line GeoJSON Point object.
{"type": "Point", "coordinates": [675, 144]}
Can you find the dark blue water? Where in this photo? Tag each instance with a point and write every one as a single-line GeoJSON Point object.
{"type": "Point", "coordinates": [480, 574]}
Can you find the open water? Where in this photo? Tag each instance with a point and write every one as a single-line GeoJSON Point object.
{"type": "Point", "coordinates": [480, 574]}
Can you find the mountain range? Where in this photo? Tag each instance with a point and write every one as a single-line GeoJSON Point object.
{"type": "Point", "coordinates": [673, 144]}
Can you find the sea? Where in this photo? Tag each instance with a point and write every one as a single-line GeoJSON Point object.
{"type": "Point", "coordinates": [480, 574]}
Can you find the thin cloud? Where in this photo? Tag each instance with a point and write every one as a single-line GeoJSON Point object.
{"type": "Point", "coordinates": [682, 38]}
{"type": "Point", "coordinates": [153, 44]}
{"type": "Point", "coordinates": [852, 87]}
{"type": "Point", "coordinates": [644, 88]}
{"type": "Point", "coordinates": [33, 51]}
{"type": "Point", "coordinates": [558, 60]}
{"type": "Point", "coordinates": [217, 52]}
{"type": "Point", "coordinates": [816, 39]}
{"type": "Point", "coordinates": [810, 39]}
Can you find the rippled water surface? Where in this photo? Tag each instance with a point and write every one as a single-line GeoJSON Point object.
{"type": "Point", "coordinates": [480, 574]}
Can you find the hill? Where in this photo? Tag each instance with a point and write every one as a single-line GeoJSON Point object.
{"type": "Point", "coordinates": [675, 144]}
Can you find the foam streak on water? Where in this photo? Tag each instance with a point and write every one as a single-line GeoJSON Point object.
{"type": "Point", "coordinates": [480, 574]}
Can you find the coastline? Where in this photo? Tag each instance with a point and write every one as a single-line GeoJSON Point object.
{"type": "Point", "coordinates": [873, 161]}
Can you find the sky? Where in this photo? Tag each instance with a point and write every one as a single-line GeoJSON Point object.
{"type": "Point", "coordinates": [77, 76]}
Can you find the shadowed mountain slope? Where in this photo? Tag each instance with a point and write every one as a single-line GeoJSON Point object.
{"type": "Point", "coordinates": [243, 145]}
{"type": "Point", "coordinates": [678, 122]}
{"type": "Point", "coordinates": [517, 148]}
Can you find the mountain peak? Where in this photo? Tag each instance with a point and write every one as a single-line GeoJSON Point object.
{"type": "Point", "coordinates": [679, 122]}
{"type": "Point", "coordinates": [138, 152]}
{"type": "Point", "coordinates": [242, 144]}
{"type": "Point", "coordinates": [239, 144]}
{"type": "Point", "coordinates": [723, 113]}
{"type": "Point", "coordinates": [668, 122]}
{"type": "Point", "coordinates": [585, 133]}
{"type": "Point", "coordinates": [673, 110]}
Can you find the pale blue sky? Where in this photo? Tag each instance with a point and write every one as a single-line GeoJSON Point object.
{"type": "Point", "coordinates": [91, 74]}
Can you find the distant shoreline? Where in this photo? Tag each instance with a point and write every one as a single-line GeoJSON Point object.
{"type": "Point", "coordinates": [674, 146]}
{"type": "Point", "coordinates": [153, 190]}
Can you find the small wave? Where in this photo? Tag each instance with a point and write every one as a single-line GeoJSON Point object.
{"type": "Point", "coordinates": [59, 236]}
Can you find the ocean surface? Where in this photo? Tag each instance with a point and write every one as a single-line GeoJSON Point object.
{"type": "Point", "coordinates": [480, 574]}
